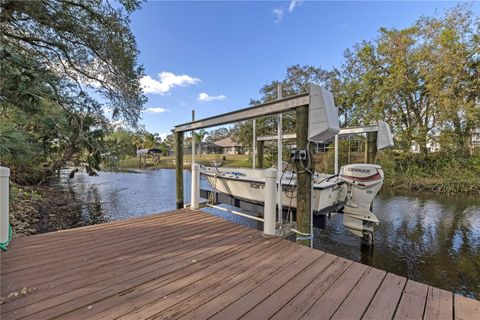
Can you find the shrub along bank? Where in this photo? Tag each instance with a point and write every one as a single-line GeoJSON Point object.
{"type": "Point", "coordinates": [437, 172]}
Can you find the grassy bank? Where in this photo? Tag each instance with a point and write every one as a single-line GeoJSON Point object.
{"type": "Point", "coordinates": [442, 173]}
{"type": "Point", "coordinates": [234, 160]}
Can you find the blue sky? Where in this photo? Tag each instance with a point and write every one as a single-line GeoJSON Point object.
{"type": "Point", "coordinates": [214, 56]}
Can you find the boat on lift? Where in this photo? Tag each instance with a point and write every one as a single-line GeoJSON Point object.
{"type": "Point", "coordinates": [248, 184]}
{"type": "Point", "coordinates": [352, 190]}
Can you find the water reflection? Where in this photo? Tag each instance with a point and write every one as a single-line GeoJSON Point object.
{"type": "Point", "coordinates": [432, 239]}
{"type": "Point", "coordinates": [428, 238]}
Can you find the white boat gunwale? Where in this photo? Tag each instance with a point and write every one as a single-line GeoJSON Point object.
{"type": "Point", "coordinates": [261, 181]}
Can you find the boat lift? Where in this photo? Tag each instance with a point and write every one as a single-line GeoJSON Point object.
{"type": "Point", "coordinates": [382, 138]}
{"type": "Point", "coordinates": [317, 120]}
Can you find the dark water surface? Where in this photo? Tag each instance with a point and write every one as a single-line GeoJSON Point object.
{"type": "Point", "coordinates": [433, 239]}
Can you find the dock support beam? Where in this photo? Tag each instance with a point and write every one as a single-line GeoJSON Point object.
{"type": "Point", "coordinates": [304, 178]}
{"type": "Point", "coordinates": [371, 151]}
{"type": "Point", "coordinates": [179, 168]}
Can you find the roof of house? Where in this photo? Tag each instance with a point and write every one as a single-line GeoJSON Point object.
{"type": "Point", "coordinates": [148, 151]}
{"type": "Point", "coordinates": [227, 142]}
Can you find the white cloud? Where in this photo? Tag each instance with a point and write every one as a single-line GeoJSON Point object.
{"type": "Point", "coordinates": [156, 110]}
{"type": "Point", "coordinates": [203, 96]}
{"type": "Point", "coordinates": [167, 80]}
{"type": "Point", "coordinates": [292, 5]}
{"type": "Point", "coordinates": [279, 12]}
{"type": "Point", "coordinates": [163, 135]}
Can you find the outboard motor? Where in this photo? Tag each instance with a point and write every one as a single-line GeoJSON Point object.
{"type": "Point", "coordinates": [362, 183]}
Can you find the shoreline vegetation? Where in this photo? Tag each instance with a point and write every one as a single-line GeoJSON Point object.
{"type": "Point", "coordinates": [439, 173]}
{"type": "Point", "coordinates": [50, 207]}
{"type": "Point", "coordinates": [35, 210]}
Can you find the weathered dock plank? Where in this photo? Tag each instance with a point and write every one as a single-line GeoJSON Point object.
{"type": "Point", "coordinates": [466, 308]}
{"type": "Point", "coordinates": [439, 305]}
{"type": "Point", "coordinates": [360, 296]}
{"type": "Point", "coordinates": [413, 301]}
{"type": "Point", "coordinates": [191, 265]}
{"type": "Point", "coordinates": [386, 299]}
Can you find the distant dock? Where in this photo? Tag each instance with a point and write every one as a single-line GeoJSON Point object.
{"type": "Point", "coordinates": [191, 265]}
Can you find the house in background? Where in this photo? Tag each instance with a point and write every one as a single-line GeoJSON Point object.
{"type": "Point", "coordinates": [209, 148]}
{"type": "Point", "coordinates": [229, 146]}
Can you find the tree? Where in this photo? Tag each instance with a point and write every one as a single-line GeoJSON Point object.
{"type": "Point", "coordinates": [121, 143]}
{"type": "Point", "coordinates": [169, 141]}
{"type": "Point", "coordinates": [76, 45]}
{"type": "Point", "coordinates": [423, 79]}
{"type": "Point", "coordinates": [451, 46]}
{"type": "Point", "coordinates": [217, 134]}
{"type": "Point", "coordinates": [199, 136]}
{"type": "Point", "coordinates": [296, 81]}
{"type": "Point", "coordinates": [54, 54]}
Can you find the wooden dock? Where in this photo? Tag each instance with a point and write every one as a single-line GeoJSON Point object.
{"type": "Point", "coordinates": [192, 265]}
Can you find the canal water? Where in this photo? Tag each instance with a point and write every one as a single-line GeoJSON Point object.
{"type": "Point", "coordinates": [430, 238]}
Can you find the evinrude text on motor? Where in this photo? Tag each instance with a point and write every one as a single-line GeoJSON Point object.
{"type": "Point", "coordinates": [362, 184]}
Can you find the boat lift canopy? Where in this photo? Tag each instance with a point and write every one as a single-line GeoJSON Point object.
{"type": "Point", "coordinates": [322, 114]}
{"type": "Point", "coordinates": [264, 109]}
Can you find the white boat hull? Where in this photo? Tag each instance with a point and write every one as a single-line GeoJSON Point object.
{"type": "Point", "coordinates": [248, 184]}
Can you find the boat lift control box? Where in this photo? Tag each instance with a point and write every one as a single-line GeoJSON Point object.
{"type": "Point", "coordinates": [323, 121]}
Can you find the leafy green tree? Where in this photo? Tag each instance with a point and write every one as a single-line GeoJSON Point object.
{"type": "Point", "coordinates": [452, 48]}
{"type": "Point", "coordinates": [121, 143]}
{"type": "Point", "coordinates": [296, 81]}
{"type": "Point", "coordinates": [423, 80]}
{"type": "Point", "coordinates": [75, 45]}
{"type": "Point", "coordinates": [54, 55]}
{"type": "Point", "coordinates": [199, 136]}
{"type": "Point", "coordinates": [217, 134]}
{"type": "Point", "coordinates": [169, 141]}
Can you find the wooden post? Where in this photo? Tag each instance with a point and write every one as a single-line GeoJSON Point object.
{"type": "Point", "coordinates": [304, 179]}
{"type": "Point", "coordinates": [371, 147]}
{"type": "Point", "coordinates": [179, 168]}
{"type": "Point", "coordinates": [260, 150]}
{"type": "Point", "coordinates": [254, 149]}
